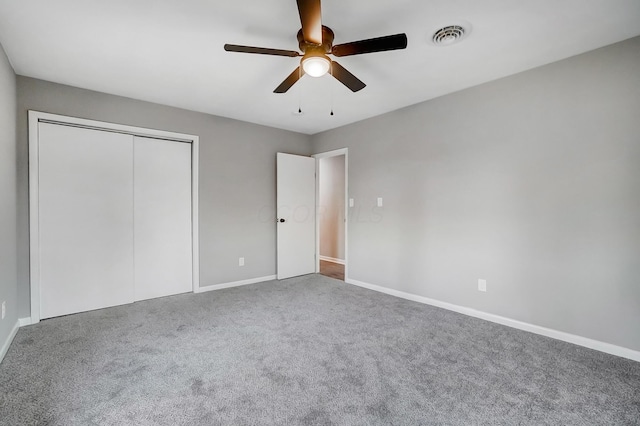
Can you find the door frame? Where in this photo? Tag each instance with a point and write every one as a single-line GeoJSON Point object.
{"type": "Point", "coordinates": [318, 157]}
{"type": "Point", "coordinates": [36, 117]}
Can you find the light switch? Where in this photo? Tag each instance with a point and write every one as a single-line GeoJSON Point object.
{"type": "Point", "coordinates": [351, 202]}
{"type": "Point", "coordinates": [379, 201]}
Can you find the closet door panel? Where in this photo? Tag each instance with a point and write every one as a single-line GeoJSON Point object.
{"type": "Point", "coordinates": [162, 218]}
{"type": "Point", "coordinates": [85, 219]}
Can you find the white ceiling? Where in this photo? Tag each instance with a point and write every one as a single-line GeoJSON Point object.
{"type": "Point", "coordinates": [171, 51]}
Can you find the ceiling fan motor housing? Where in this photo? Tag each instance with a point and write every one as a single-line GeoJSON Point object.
{"type": "Point", "coordinates": [324, 48]}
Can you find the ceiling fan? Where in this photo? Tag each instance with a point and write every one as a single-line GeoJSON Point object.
{"type": "Point", "coordinates": [316, 42]}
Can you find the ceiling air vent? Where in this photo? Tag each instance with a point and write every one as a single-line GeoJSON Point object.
{"type": "Point", "coordinates": [448, 35]}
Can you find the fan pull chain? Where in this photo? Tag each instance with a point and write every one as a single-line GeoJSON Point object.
{"type": "Point", "coordinates": [299, 91]}
{"type": "Point", "coordinates": [331, 91]}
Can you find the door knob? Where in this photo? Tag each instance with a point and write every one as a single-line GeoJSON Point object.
{"type": "Point", "coordinates": [282, 221]}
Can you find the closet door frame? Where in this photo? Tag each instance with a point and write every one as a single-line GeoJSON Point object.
{"type": "Point", "coordinates": [37, 117]}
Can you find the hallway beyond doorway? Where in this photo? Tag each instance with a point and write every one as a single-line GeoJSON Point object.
{"type": "Point", "coordinates": [332, 270]}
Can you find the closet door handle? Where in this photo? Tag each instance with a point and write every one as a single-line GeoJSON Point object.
{"type": "Point", "coordinates": [282, 221]}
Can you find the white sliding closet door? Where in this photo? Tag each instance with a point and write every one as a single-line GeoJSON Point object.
{"type": "Point", "coordinates": [162, 218]}
{"type": "Point", "coordinates": [85, 219]}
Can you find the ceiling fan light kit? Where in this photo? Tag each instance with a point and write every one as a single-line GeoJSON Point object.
{"type": "Point", "coordinates": [316, 42]}
{"type": "Point", "coordinates": [316, 66]}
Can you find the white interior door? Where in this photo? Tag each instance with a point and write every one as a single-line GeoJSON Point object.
{"type": "Point", "coordinates": [296, 201]}
{"type": "Point", "coordinates": [85, 219]}
{"type": "Point", "coordinates": [162, 218]}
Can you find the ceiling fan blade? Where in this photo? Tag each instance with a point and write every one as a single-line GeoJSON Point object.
{"type": "Point", "coordinates": [311, 19]}
{"type": "Point", "coordinates": [379, 44]}
{"type": "Point", "coordinates": [345, 77]}
{"type": "Point", "coordinates": [290, 81]}
{"type": "Point", "coordinates": [260, 50]}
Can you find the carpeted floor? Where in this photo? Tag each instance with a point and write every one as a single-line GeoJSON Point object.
{"type": "Point", "coordinates": [309, 350]}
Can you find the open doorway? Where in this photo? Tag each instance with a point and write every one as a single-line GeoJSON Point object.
{"type": "Point", "coordinates": [332, 224]}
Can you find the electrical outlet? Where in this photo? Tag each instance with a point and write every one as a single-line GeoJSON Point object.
{"type": "Point", "coordinates": [4, 309]}
{"type": "Point", "coordinates": [482, 285]}
{"type": "Point", "coordinates": [241, 261]}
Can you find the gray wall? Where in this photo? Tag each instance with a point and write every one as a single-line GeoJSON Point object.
{"type": "Point", "coordinates": [237, 176]}
{"type": "Point", "coordinates": [331, 207]}
{"type": "Point", "coordinates": [8, 288]}
{"type": "Point", "coordinates": [531, 182]}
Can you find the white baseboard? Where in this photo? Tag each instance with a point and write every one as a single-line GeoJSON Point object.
{"type": "Point", "coordinates": [7, 343]}
{"type": "Point", "coordinates": [25, 321]}
{"type": "Point", "coordinates": [332, 260]}
{"type": "Point", "coordinates": [548, 332]}
{"type": "Point", "coordinates": [235, 284]}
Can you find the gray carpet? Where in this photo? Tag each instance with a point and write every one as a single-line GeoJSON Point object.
{"type": "Point", "coordinates": [309, 350]}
